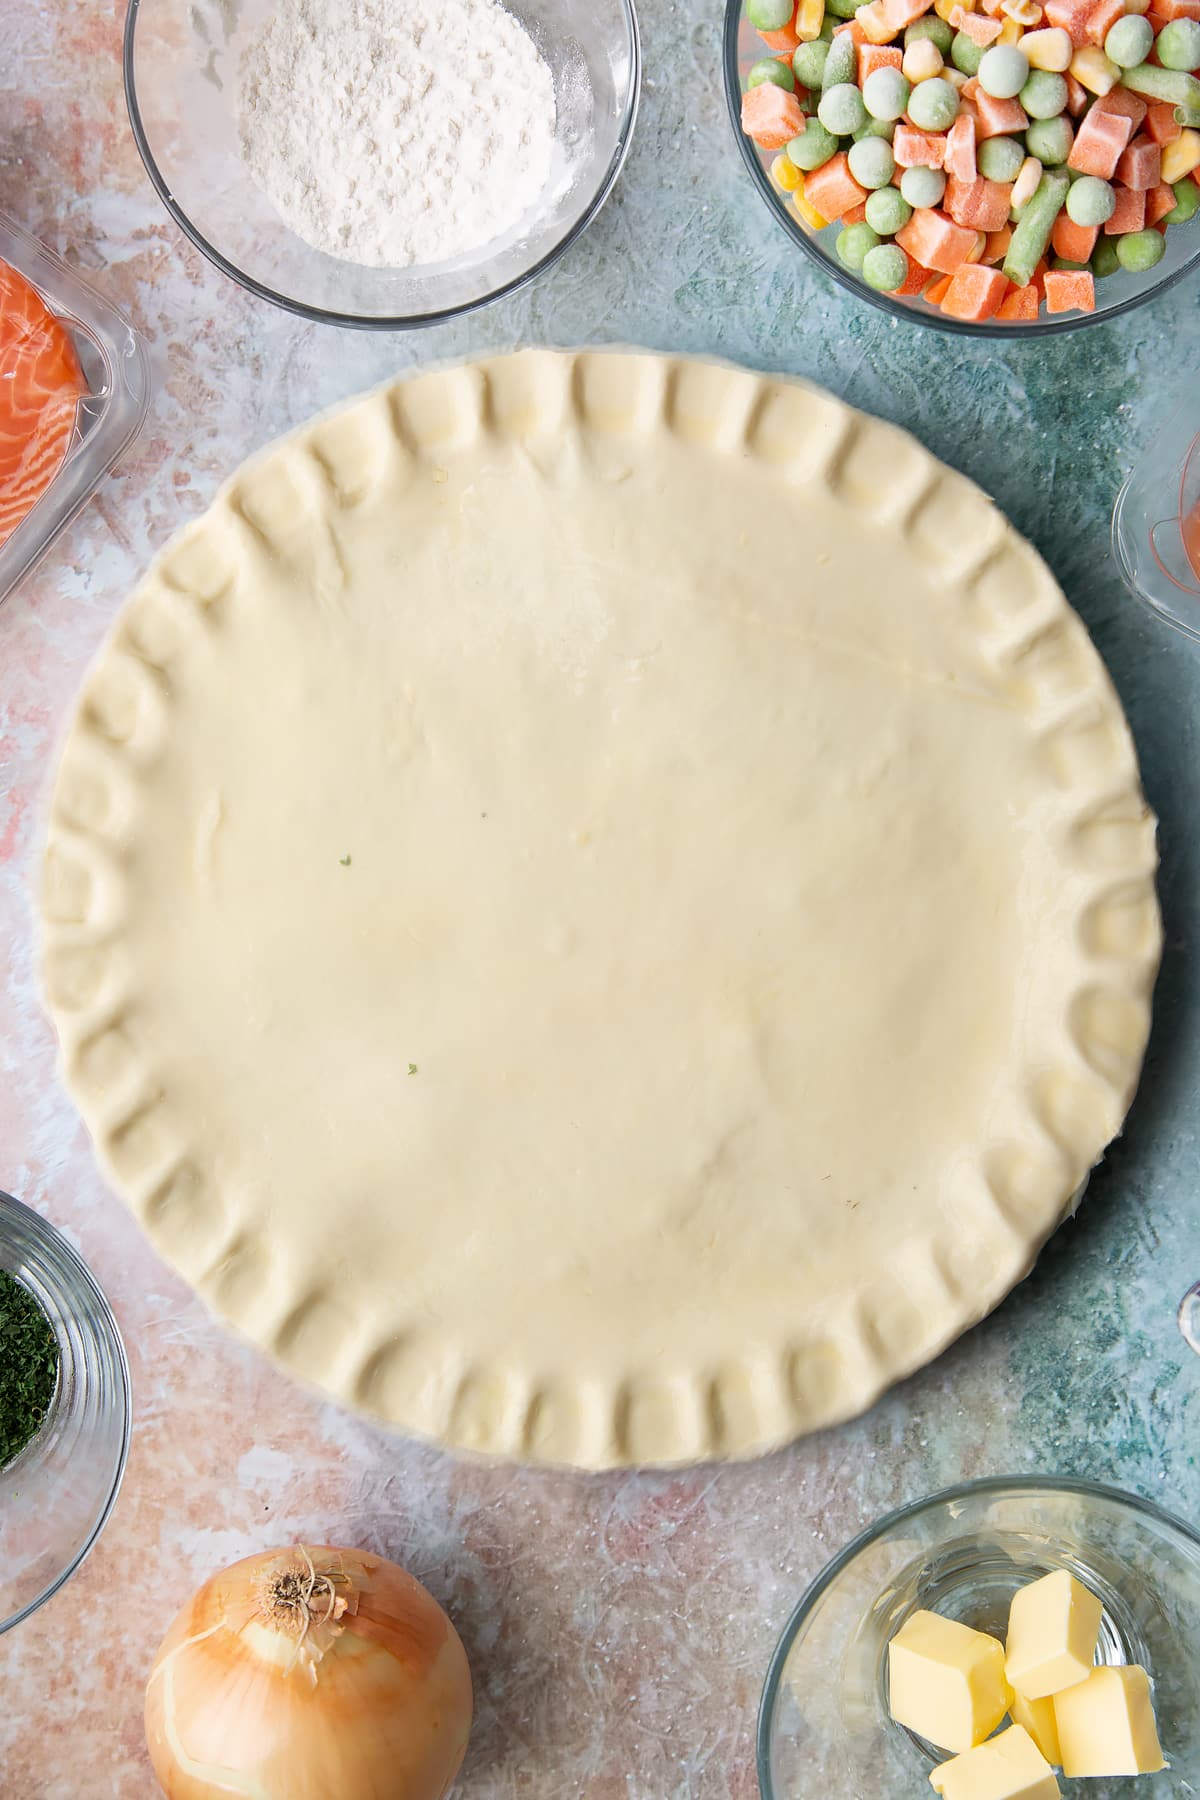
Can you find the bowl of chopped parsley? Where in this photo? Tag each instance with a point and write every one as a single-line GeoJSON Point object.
{"type": "Point", "coordinates": [64, 1410]}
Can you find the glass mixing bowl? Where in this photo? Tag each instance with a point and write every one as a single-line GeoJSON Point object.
{"type": "Point", "coordinates": [824, 1727]}
{"type": "Point", "coordinates": [180, 85]}
{"type": "Point", "coordinates": [1114, 294]}
{"type": "Point", "coordinates": [57, 1494]}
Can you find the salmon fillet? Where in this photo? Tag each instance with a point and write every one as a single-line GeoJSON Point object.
{"type": "Point", "coordinates": [40, 385]}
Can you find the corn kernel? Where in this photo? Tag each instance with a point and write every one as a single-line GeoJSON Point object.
{"type": "Point", "coordinates": [1137, 6]}
{"type": "Point", "coordinates": [808, 212]}
{"type": "Point", "coordinates": [943, 8]}
{"type": "Point", "coordinates": [1051, 49]}
{"type": "Point", "coordinates": [1026, 12]}
{"type": "Point", "coordinates": [1181, 157]}
{"type": "Point", "coordinates": [1095, 71]}
{"type": "Point", "coordinates": [1011, 32]}
{"type": "Point", "coordinates": [785, 174]}
{"type": "Point", "coordinates": [980, 246]}
{"type": "Point", "coordinates": [810, 16]}
{"type": "Point", "coordinates": [874, 24]}
{"type": "Point", "coordinates": [955, 77]}
{"type": "Point", "coordinates": [922, 61]}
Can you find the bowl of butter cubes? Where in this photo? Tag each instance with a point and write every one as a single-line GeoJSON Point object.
{"type": "Point", "coordinates": [1020, 166]}
{"type": "Point", "coordinates": [1027, 1639]}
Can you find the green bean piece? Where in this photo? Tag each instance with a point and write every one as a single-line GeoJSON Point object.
{"type": "Point", "coordinates": [1031, 234]}
{"type": "Point", "coordinates": [841, 65]}
{"type": "Point", "coordinates": [1171, 85]}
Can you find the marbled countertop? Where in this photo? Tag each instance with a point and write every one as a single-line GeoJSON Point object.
{"type": "Point", "coordinates": [619, 1627]}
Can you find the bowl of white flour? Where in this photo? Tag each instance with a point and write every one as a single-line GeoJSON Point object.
{"type": "Point", "coordinates": [382, 163]}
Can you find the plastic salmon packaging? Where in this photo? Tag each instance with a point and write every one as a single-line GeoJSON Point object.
{"type": "Point", "coordinates": [74, 391]}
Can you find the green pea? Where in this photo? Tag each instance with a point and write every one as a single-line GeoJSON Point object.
{"type": "Point", "coordinates": [1105, 260]}
{"type": "Point", "coordinates": [1129, 41]}
{"type": "Point", "coordinates": [1000, 158]}
{"type": "Point", "coordinates": [1050, 141]}
{"type": "Point", "coordinates": [843, 9]}
{"type": "Point", "coordinates": [841, 109]}
{"type": "Point", "coordinates": [827, 30]}
{"type": "Point", "coordinates": [871, 162]}
{"type": "Point", "coordinates": [888, 211]}
{"type": "Point", "coordinates": [841, 65]}
{"type": "Point", "coordinates": [966, 54]}
{"type": "Point", "coordinates": [769, 68]}
{"type": "Point", "coordinates": [1062, 262]}
{"type": "Point", "coordinates": [1178, 44]}
{"type": "Point", "coordinates": [814, 146]}
{"type": "Point", "coordinates": [933, 28]}
{"type": "Point", "coordinates": [1090, 201]}
{"type": "Point", "coordinates": [885, 93]}
{"type": "Point", "coordinates": [885, 268]}
{"type": "Point", "coordinates": [1138, 251]}
{"type": "Point", "coordinates": [853, 243]}
{"type": "Point", "coordinates": [1187, 203]}
{"type": "Point", "coordinates": [877, 128]}
{"type": "Point", "coordinates": [1003, 71]}
{"type": "Point", "coordinates": [808, 63]}
{"type": "Point", "coordinates": [924, 187]}
{"type": "Point", "coordinates": [1044, 95]}
{"type": "Point", "coordinates": [933, 105]}
{"type": "Point", "coordinates": [769, 15]}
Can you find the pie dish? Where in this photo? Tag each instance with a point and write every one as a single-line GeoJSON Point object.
{"type": "Point", "coordinates": [600, 907]}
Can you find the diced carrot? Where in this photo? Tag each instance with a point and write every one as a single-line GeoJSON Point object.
{"type": "Point", "coordinates": [1161, 123]}
{"type": "Point", "coordinates": [832, 189]}
{"type": "Point", "coordinates": [787, 38]}
{"type": "Point", "coordinates": [1078, 98]}
{"type": "Point", "coordinates": [1019, 303]}
{"type": "Point", "coordinates": [1104, 14]}
{"type": "Point", "coordinates": [1179, 9]}
{"type": "Point", "coordinates": [917, 279]}
{"type": "Point", "coordinates": [997, 118]}
{"type": "Point", "coordinates": [872, 22]}
{"type": "Point", "coordinates": [1156, 21]}
{"type": "Point", "coordinates": [981, 205]}
{"type": "Point", "coordinates": [856, 214]}
{"type": "Point", "coordinates": [959, 160]}
{"type": "Point", "coordinates": [1070, 290]}
{"type": "Point", "coordinates": [1074, 243]}
{"type": "Point", "coordinates": [1140, 166]}
{"type": "Point", "coordinates": [936, 292]}
{"type": "Point", "coordinates": [974, 293]}
{"type": "Point", "coordinates": [933, 239]}
{"type": "Point", "coordinates": [1100, 143]}
{"type": "Point", "coordinates": [918, 149]}
{"type": "Point", "coordinates": [1159, 202]}
{"type": "Point", "coordinates": [1123, 103]}
{"type": "Point", "coordinates": [877, 56]}
{"type": "Point", "coordinates": [771, 116]}
{"type": "Point", "coordinates": [981, 31]}
{"type": "Point", "coordinates": [1072, 16]}
{"type": "Point", "coordinates": [857, 34]}
{"type": "Point", "coordinates": [996, 248]}
{"type": "Point", "coordinates": [900, 13]}
{"type": "Point", "coordinates": [1129, 214]}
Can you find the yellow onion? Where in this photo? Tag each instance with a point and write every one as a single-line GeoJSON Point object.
{"type": "Point", "coordinates": [309, 1674]}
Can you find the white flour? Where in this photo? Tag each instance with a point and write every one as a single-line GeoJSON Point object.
{"type": "Point", "coordinates": [393, 132]}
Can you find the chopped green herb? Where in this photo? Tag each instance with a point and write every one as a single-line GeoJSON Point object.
{"type": "Point", "coordinates": [28, 1366]}
{"type": "Point", "coordinates": [412, 1068]}
{"type": "Point", "coordinates": [345, 861]}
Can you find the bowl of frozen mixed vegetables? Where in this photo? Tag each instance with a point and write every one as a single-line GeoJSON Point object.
{"type": "Point", "coordinates": [980, 165]}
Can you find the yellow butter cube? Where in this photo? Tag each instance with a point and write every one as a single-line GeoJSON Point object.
{"type": "Point", "coordinates": [1052, 1630]}
{"type": "Point", "coordinates": [1095, 71]}
{"type": "Point", "coordinates": [1008, 1767]}
{"type": "Point", "coordinates": [810, 16]}
{"type": "Point", "coordinates": [946, 1681]}
{"type": "Point", "coordinates": [1050, 49]}
{"type": "Point", "coordinates": [1106, 1725]}
{"type": "Point", "coordinates": [1037, 1718]}
{"type": "Point", "coordinates": [1181, 157]}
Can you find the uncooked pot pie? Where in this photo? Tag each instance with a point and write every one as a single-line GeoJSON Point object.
{"type": "Point", "coordinates": [600, 907]}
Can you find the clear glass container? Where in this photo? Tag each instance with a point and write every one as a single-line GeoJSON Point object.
{"type": "Point", "coordinates": [181, 87]}
{"type": "Point", "coordinates": [57, 1494]}
{"type": "Point", "coordinates": [111, 412]}
{"type": "Point", "coordinates": [824, 1727]}
{"type": "Point", "coordinates": [1114, 293]}
{"type": "Point", "coordinates": [1156, 522]}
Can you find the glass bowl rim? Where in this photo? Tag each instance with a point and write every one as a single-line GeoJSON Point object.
{"type": "Point", "coordinates": [59, 1245]}
{"type": "Point", "coordinates": [937, 321]}
{"type": "Point", "coordinates": [962, 1490]}
{"type": "Point", "coordinates": [320, 315]}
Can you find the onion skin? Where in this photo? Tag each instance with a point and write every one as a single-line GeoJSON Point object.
{"type": "Point", "coordinates": [382, 1713]}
